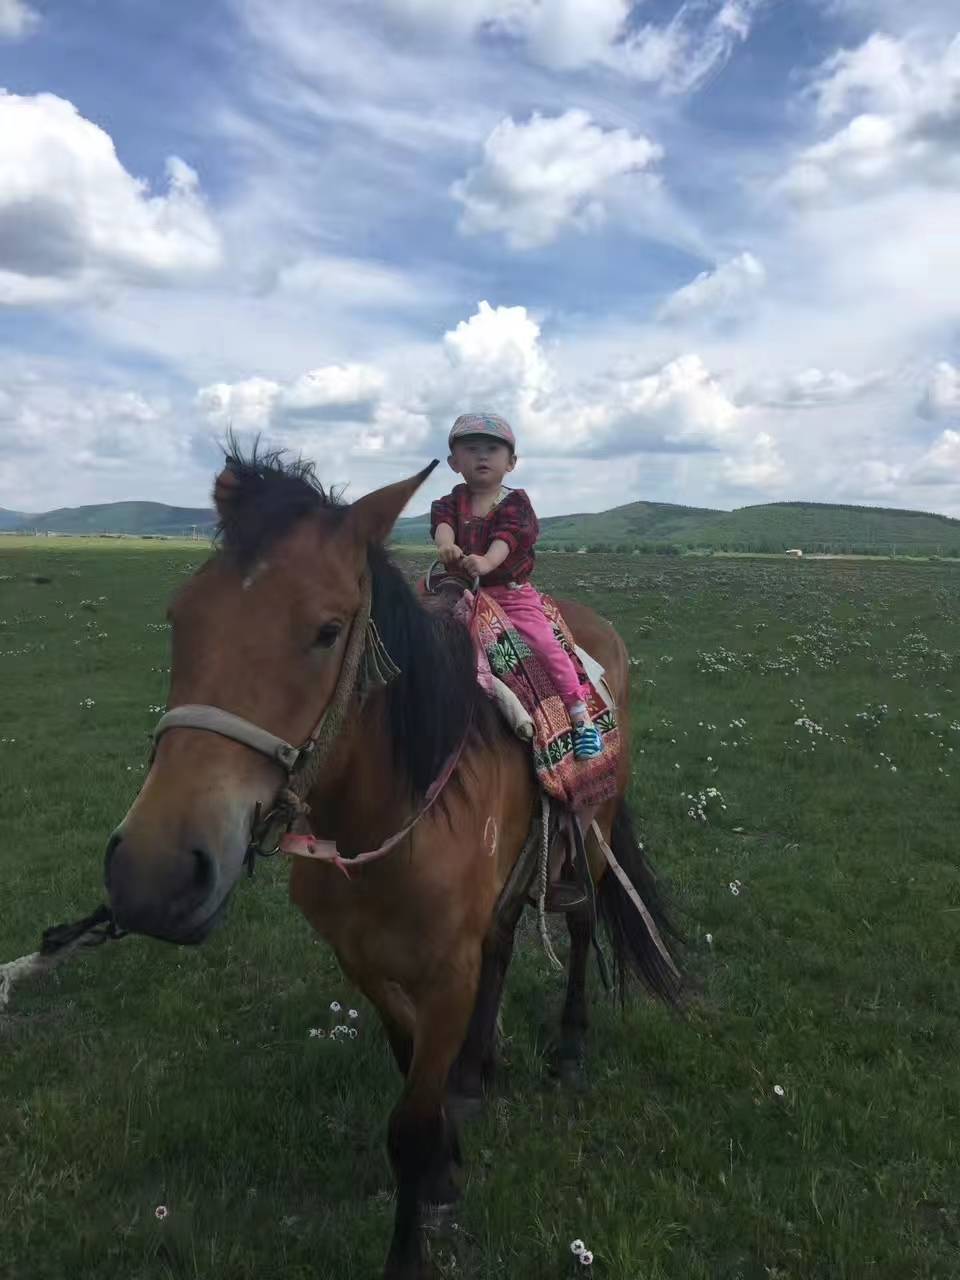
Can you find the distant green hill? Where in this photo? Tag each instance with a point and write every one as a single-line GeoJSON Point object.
{"type": "Point", "coordinates": [121, 517]}
{"type": "Point", "coordinates": [775, 526]}
{"type": "Point", "coordinates": [11, 519]}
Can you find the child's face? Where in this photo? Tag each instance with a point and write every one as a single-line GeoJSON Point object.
{"type": "Point", "coordinates": [481, 461]}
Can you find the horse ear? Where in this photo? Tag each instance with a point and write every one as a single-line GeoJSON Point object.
{"type": "Point", "coordinates": [371, 518]}
{"type": "Point", "coordinates": [225, 488]}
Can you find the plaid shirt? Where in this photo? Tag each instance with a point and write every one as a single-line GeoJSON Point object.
{"type": "Point", "coordinates": [512, 520]}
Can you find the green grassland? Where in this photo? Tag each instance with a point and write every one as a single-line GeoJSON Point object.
{"type": "Point", "coordinates": [796, 739]}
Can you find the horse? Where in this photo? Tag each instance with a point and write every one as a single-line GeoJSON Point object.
{"type": "Point", "coordinates": [417, 768]}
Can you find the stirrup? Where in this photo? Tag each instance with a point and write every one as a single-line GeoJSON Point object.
{"type": "Point", "coordinates": [562, 896]}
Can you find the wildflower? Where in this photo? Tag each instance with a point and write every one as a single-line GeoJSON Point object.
{"type": "Point", "coordinates": [577, 1247]}
{"type": "Point", "coordinates": [778, 1090]}
{"type": "Point", "coordinates": [735, 888]}
{"type": "Point", "coordinates": [709, 938]}
{"type": "Point", "coordinates": [318, 1032]}
{"type": "Point", "coordinates": [160, 1212]}
{"type": "Point", "coordinates": [334, 1006]}
{"type": "Point", "coordinates": [586, 1258]}
{"type": "Point", "coordinates": [352, 1013]}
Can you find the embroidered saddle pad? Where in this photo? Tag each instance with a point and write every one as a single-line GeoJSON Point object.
{"type": "Point", "coordinates": [578, 784]}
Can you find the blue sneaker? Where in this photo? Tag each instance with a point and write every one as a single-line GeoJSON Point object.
{"type": "Point", "coordinates": [587, 742]}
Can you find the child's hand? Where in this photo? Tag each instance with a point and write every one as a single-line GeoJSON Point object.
{"type": "Point", "coordinates": [475, 566]}
{"type": "Point", "coordinates": [450, 555]}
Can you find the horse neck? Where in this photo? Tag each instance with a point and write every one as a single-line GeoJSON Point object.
{"type": "Point", "coordinates": [364, 799]}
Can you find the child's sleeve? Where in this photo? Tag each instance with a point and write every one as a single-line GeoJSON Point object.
{"type": "Point", "coordinates": [443, 511]}
{"type": "Point", "coordinates": [515, 523]}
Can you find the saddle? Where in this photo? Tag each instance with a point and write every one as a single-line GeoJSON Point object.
{"type": "Point", "coordinates": [518, 686]}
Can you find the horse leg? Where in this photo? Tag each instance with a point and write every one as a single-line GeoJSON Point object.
{"type": "Point", "coordinates": [473, 1072]}
{"type": "Point", "coordinates": [574, 1022]}
{"type": "Point", "coordinates": [422, 1139]}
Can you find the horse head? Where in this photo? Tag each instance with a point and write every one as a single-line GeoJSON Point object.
{"type": "Point", "coordinates": [259, 636]}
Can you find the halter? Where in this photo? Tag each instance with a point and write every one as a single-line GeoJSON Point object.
{"type": "Point", "coordinates": [366, 667]}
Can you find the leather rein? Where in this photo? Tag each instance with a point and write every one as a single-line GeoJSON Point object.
{"type": "Point", "coordinates": [366, 667]}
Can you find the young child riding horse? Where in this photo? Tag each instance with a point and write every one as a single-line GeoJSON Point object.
{"type": "Point", "coordinates": [489, 531]}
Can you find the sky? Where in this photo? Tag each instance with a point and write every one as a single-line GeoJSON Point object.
{"type": "Point", "coordinates": [704, 252]}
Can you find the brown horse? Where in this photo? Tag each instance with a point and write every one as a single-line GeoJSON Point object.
{"type": "Point", "coordinates": [262, 631]}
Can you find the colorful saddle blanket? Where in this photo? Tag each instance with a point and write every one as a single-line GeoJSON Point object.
{"type": "Point", "coordinates": [577, 784]}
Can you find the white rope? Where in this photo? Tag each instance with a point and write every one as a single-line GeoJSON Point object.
{"type": "Point", "coordinates": [544, 877]}
{"type": "Point", "coordinates": [15, 971]}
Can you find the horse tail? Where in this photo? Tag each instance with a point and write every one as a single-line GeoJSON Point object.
{"type": "Point", "coordinates": [635, 950]}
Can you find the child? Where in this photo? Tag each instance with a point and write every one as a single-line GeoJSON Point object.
{"type": "Point", "coordinates": [488, 531]}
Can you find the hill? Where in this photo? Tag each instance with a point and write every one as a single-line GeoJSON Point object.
{"type": "Point", "coordinates": [11, 519]}
{"type": "Point", "coordinates": [775, 526]}
{"type": "Point", "coordinates": [121, 518]}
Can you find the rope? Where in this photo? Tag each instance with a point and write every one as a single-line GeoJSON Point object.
{"type": "Point", "coordinates": [58, 942]}
{"type": "Point", "coordinates": [544, 877]}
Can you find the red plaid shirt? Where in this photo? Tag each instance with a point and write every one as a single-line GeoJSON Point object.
{"type": "Point", "coordinates": [512, 521]}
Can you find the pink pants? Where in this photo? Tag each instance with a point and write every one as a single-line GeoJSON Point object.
{"type": "Point", "coordinates": [524, 608]}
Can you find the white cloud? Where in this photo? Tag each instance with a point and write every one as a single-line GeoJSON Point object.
{"type": "Point", "coordinates": [687, 51]}
{"type": "Point", "coordinates": [903, 104]}
{"type": "Point", "coordinates": [75, 224]}
{"type": "Point", "coordinates": [68, 438]}
{"type": "Point", "coordinates": [538, 178]}
{"type": "Point", "coordinates": [718, 292]}
{"type": "Point", "coordinates": [17, 19]}
{"type": "Point", "coordinates": [760, 466]}
{"type": "Point", "coordinates": [941, 397]}
{"type": "Point", "coordinates": [678, 55]}
{"type": "Point", "coordinates": [811, 389]}
{"type": "Point", "coordinates": [496, 360]}
{"type": "Point", "coordinates": [350, 391]}
{"type": "Point", "coordinates": [940, 465]}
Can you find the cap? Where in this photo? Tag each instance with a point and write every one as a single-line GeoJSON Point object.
{"type": "Point", "coordinates": [483, 424]}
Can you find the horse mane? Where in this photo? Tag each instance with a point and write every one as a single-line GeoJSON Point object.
{"type": "Point", "coordinates": [436, 698]}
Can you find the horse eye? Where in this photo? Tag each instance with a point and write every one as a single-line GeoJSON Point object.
{"type": "Point", "coordinates": [327, 636]}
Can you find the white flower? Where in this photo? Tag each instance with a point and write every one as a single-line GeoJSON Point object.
{"type": "Point", "coordinates": [586, 1258]}
{"type": "Point", "coordinates": [778, 1090]}
{"type": "Point", "coordinates": [318, 1032]}
{"type": "Point", "coordinates": [709, 937]}
{"type": "Point", "coordinates": [160, 1212]}
{"type": "Point", "coordinates": [577, 1247]}
{"type": "Point", "coordinates": [334, 1006]}
{"type": "Point", "coordinates": [352, 1013]}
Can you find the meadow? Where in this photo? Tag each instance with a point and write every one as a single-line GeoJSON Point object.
{"type": "Point", "coordinates": [173, 1113]}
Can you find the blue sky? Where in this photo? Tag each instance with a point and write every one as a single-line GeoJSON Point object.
{"type": "Point", "coordinates": [701, 252]}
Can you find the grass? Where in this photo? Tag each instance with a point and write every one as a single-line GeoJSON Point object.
{"type": "Point", "coordinates": [820, 702]}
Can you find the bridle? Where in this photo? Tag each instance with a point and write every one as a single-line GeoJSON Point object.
{"type": "Point", "coordinates": [366, 667]}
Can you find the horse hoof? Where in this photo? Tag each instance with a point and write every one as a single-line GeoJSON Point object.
{"type": "Point", "coordinates": [435, 1217]}
{"type": "Point", "coordinates": [571, 1074]}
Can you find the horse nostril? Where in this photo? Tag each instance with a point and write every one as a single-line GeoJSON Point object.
{"type": "Point", "coordinates": [204, 870]}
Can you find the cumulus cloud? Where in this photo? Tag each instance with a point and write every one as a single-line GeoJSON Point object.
{"type": "Point", "coordinates": [17, 19]}
{"type": "Point", "coordinates": [496, 360]}
{"type": "Point", "coordinates": [720, 292]}
{"type": "Point", "coordinates": [540, 177]}
{"type": "Point", "coordinates": [941, 397]}
{"type": "Point", "coordinates": [350, 391]}
{"type": "Point", "coordinates": [940, 465]}
{"type": "Point", "coordinates": [901, 105]}
{"type": "Point", "coordinates": [74, 223]}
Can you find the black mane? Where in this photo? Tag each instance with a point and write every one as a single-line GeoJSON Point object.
{"type": "Point", "coordinates": [436, 698]}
